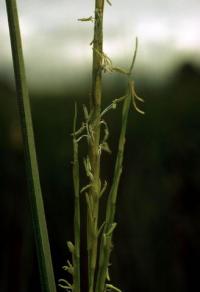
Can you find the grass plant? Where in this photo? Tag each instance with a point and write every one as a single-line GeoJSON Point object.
{"type": "Point", "coordinates": [95, 131]}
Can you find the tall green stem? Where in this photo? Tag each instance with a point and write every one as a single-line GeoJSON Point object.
{"type": "Point", "coordinates": [40, 228]}
{"type": "Point", "coordinates": [94, 156]}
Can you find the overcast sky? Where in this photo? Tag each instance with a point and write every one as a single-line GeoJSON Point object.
{"type": "Point", "coordinates": [56, 43]}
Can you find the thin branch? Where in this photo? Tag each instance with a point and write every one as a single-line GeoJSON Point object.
{"type": "Point", "coordinates": [134, 57]}
{"type": "Point", "coordinates": [106, 240]}
{"type": "Point", "coordinates": [76, 256]}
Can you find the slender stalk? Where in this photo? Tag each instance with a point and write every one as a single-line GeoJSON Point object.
{"type": "Point", "coordinates": [94, 156]}
{"type": "Point", "coordinates": [40, 227]}
{"type": "Point", "coordinates": [76, 254]}
{"type": "Point", "coordinates": [106, 240]}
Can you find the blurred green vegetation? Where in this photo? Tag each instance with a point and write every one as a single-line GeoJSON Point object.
{"type": "Point", "coordinates": [157, 242]}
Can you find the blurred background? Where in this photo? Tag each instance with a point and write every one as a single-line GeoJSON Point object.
{"type": "Point", "coordinates": [157, 242]}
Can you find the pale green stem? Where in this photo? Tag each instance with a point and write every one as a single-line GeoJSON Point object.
{"type": "Point", "coordinates": [106, 240]}
{"type": "Point", "coordinates": [76, 254]}
{"type": "Point", "coordinates": [40, 227]}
